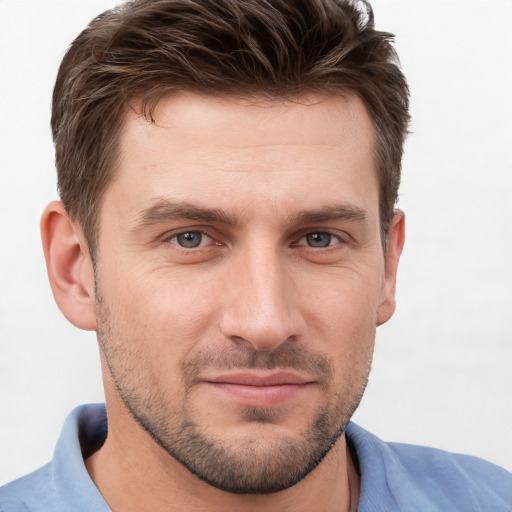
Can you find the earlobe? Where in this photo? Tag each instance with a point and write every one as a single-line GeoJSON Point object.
{"type": "Point", "coordinates": [395, 244]}
{"type": "Point", "coordinates": [69, 266]}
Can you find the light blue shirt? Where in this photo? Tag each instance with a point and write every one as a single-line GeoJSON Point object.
{"type": "Point", "coordinates": [394, 477]}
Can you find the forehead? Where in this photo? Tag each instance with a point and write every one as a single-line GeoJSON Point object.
{"type": "Point", "coordinates": [237, 153]}
{"type": "Point", "coordinates": [308, 121]}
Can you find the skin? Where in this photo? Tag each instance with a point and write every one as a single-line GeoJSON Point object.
{"type": "Point", "coordinates": [279, 177]}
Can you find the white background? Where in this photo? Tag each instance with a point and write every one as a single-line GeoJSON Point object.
{"type": "Point", "coordinates": [442, 374]}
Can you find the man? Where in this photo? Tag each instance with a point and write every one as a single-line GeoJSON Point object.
{"type": "Point", "coordinates": [228, 174]}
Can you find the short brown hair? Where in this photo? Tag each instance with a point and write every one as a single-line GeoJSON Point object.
{"type": "Point", "coordinates": [146, 49]}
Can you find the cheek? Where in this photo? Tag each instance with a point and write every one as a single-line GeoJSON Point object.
{"type": "Point", "coordinates": [343, 321]}
{"type": "Point", "coordinates": [164, 311]}
{"type": "Point", "coordinates": [345, 302]}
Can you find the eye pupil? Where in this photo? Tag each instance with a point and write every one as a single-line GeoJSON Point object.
{"type": "Point", "coordinates": [190, 239]}
{"type": "Point", "coordinates": [318, 239]}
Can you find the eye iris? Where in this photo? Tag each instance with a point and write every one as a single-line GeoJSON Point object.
{"type": "Point", "coordinates": [318, 239]}
{"type": "Point", "coordinates": [189, 240]}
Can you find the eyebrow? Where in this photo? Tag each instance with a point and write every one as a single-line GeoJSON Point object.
{"type": "Point", "coordinates": [345, 212]}
{"type": "Point", "coordinates": [165, 209]}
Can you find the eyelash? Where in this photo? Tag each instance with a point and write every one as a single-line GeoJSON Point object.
{"type": "Point", "coordinates": [336, 236]}
{"type": "Point", "coordinates": [174, 236]}
{"type": "Point", "coordinates": [339, 240]}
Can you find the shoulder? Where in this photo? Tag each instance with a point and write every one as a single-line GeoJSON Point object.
{"type": "Point", "coordinates": [455, 476]}
{"type": "Point", "coordinates": [411, 478]}
{"type": "Point", "coordinates": [22, 494]}
{"type": "Point", "coordinates": [63, 484]}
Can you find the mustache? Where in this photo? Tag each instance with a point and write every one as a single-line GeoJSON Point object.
{"type": "Point", "coordinates": [288, 355]}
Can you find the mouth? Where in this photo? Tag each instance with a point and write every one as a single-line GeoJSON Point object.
{"type": "Point", "coordinates": [258, 389]}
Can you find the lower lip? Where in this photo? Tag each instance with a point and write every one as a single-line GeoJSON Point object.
{"type": "Point", "coordinates": [259, 396]}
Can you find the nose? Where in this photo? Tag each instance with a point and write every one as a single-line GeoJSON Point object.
{"type": "Point", "coordinates": [261, 305]}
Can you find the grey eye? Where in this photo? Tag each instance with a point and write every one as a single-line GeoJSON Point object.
{"type": "Point", "coordinates": [318, 239]}
{"type": "Point", "coordinates": [190, 239]}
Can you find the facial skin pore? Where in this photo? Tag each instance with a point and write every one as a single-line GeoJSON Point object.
{"type": "Point", "coordinates": [239, 280]}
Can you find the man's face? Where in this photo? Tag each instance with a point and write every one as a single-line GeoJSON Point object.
{"type": "Point", "coordinates": [240, 278]}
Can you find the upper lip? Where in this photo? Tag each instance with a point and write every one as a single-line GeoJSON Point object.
{"type": "Point", "coordinates": [247, 378]}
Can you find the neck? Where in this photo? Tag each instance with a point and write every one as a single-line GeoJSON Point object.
{"type": "Point", "coordinates": [140, 476]}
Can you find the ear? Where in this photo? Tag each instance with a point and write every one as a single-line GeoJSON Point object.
{"type": "Point", "coordinates": [395, 244]}
{"type": "Point", "coordinates": [69, 266]}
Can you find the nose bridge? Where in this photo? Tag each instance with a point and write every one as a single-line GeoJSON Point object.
{"type": "Point", "coordinates": [261, 309]}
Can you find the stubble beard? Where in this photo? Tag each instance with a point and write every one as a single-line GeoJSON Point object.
{"type": "Point", "coordinates": [248, 465]}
